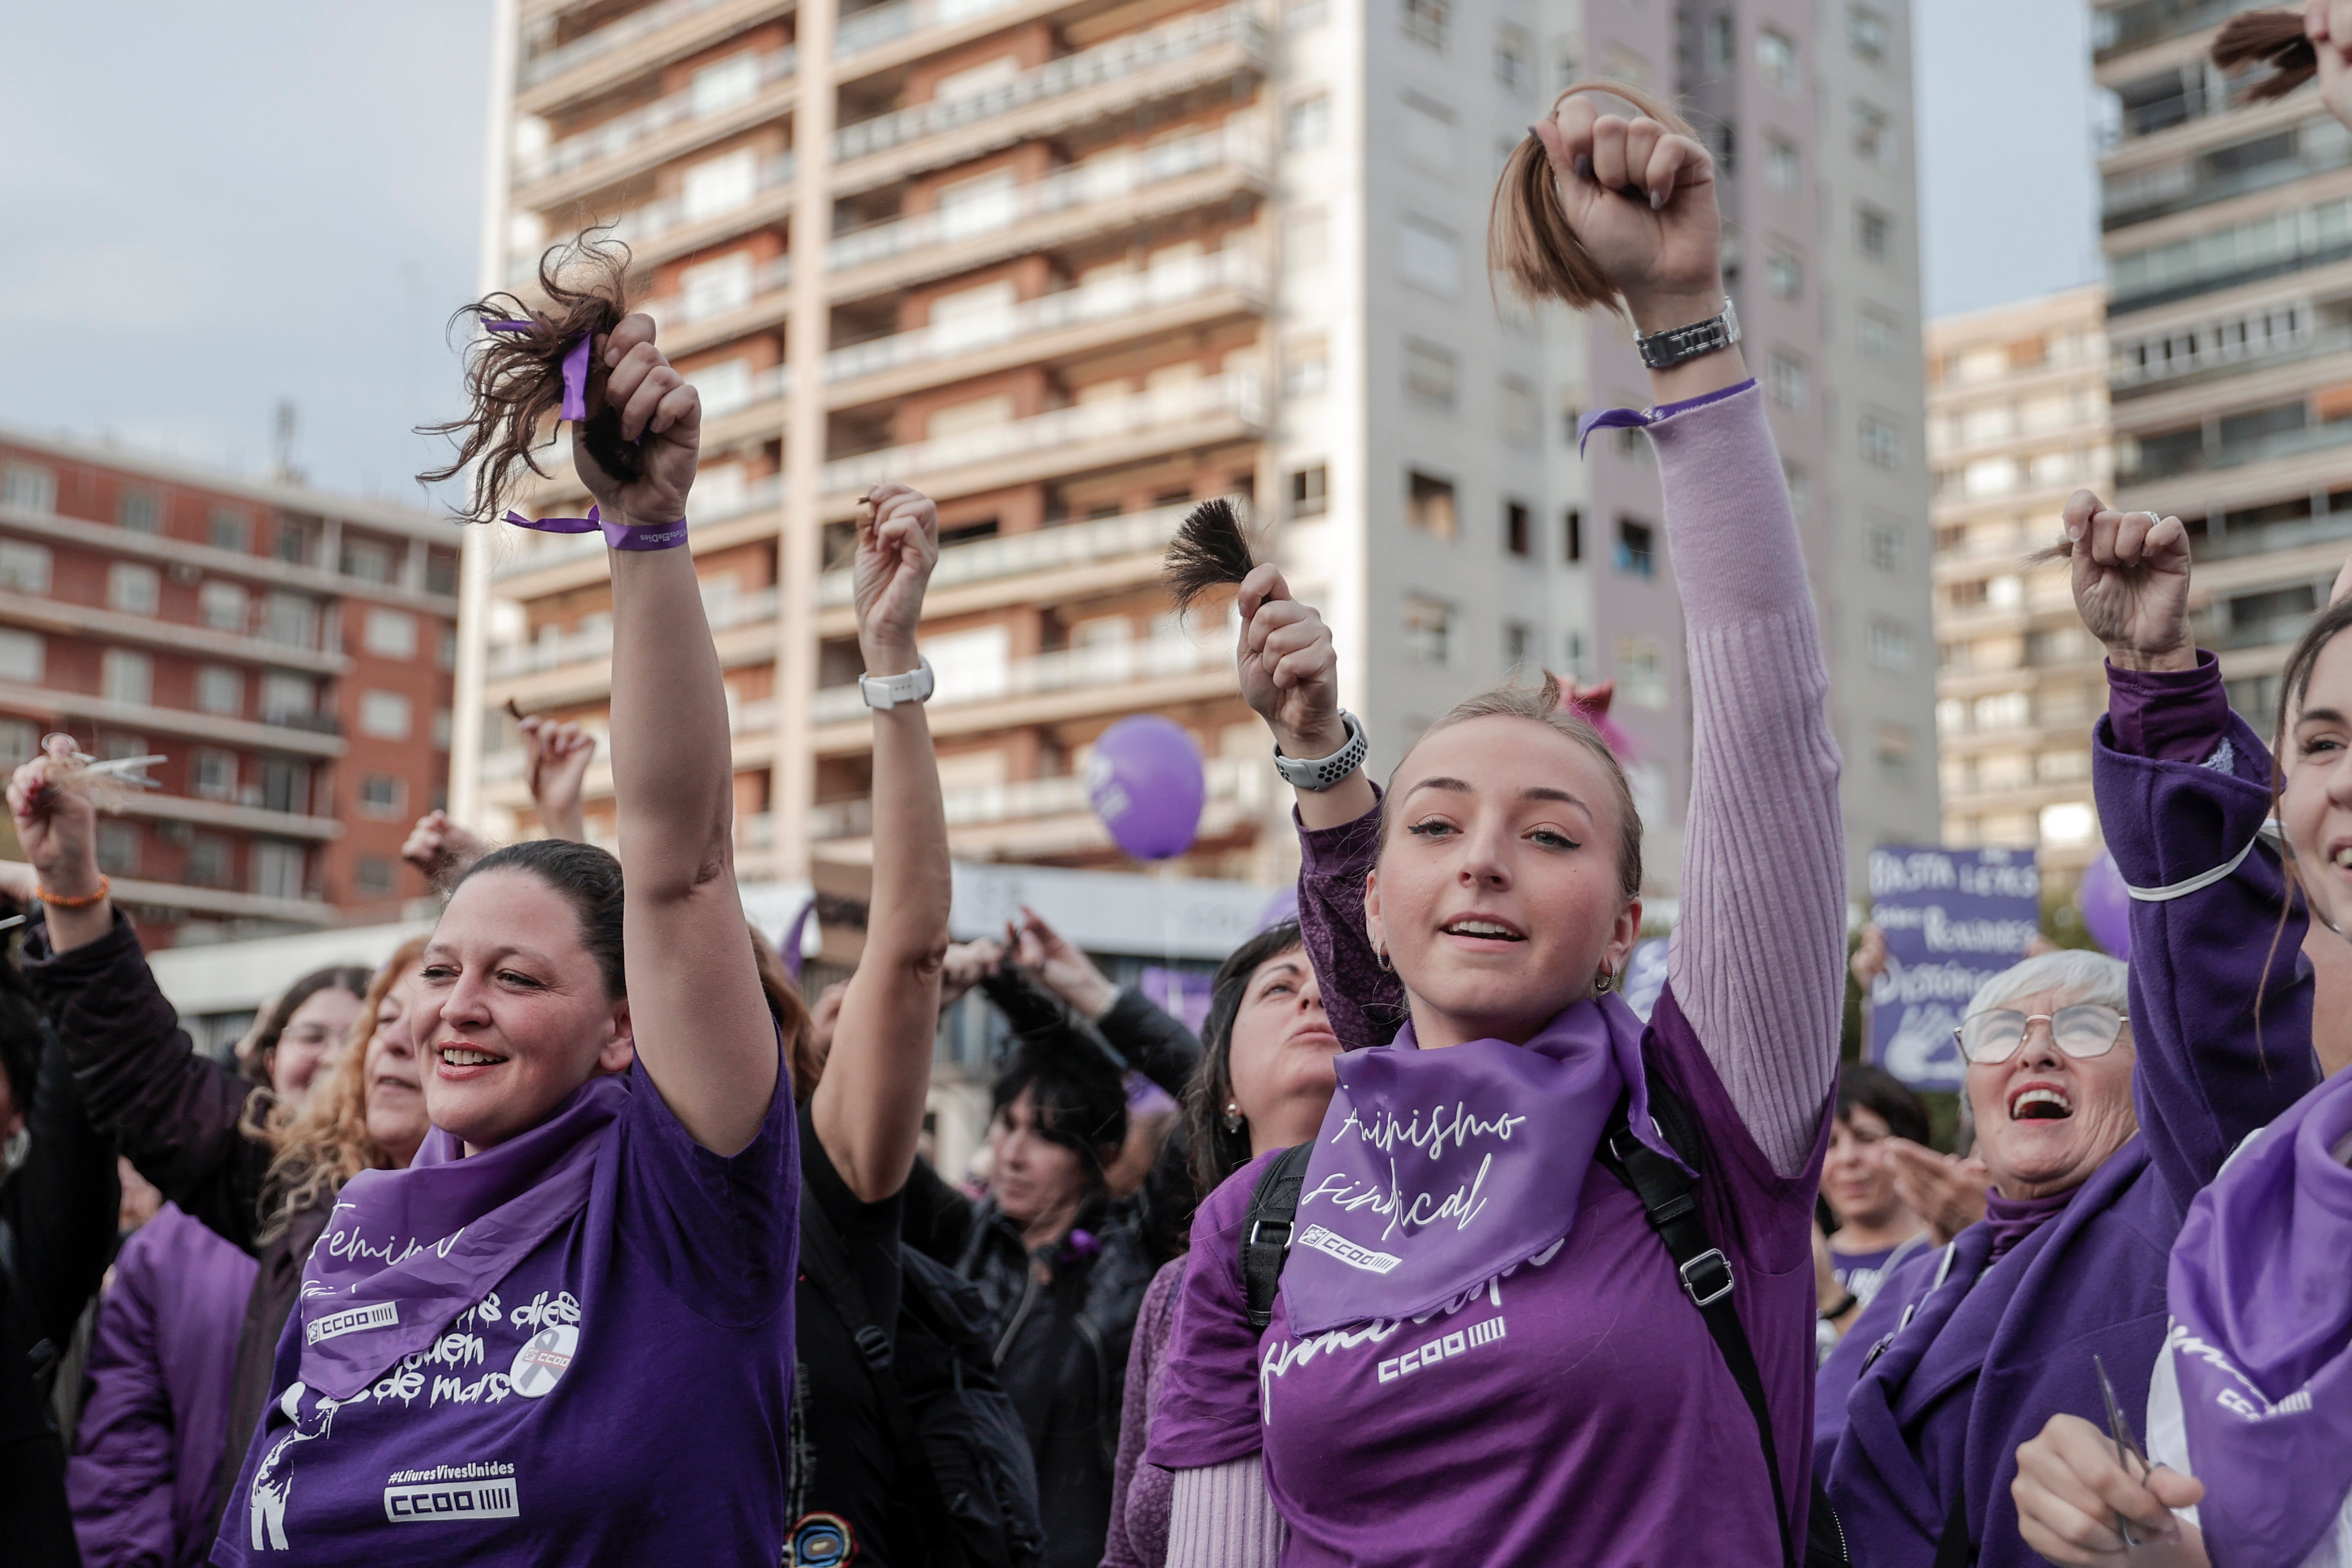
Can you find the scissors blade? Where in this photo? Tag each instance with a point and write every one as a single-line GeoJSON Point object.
{"type": "Point", "coordinates": [2128, 1450]}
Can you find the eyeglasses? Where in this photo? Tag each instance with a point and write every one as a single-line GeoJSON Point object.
{"type": "Point", "coordinates": [2082, 1031]}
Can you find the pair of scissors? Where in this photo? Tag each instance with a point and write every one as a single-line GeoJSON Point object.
{"type": "Point", "coordinates": [2128, 1449]}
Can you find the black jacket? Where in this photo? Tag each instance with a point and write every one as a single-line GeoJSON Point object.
{"type": "Point", "coordinates": [57, 1215]}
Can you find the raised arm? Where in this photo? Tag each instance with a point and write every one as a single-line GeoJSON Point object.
{"type": "Point", "coordinates": [868, 1108]}
{"type": "Point", "coordinates": [699, 1019]}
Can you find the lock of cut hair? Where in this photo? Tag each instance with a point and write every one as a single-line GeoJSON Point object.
{"type": "Point", "coordinates": [1529, 242]}
{"type": "Point", "coordinates": [1211, 550]}
{"type": "Point", "coordinates": [515, 379]}
{"type": "Point", "coordinates": [2275, 38]}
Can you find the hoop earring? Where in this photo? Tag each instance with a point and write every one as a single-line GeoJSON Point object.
{"type": "Point", "coordinates": [1605, 984]}
{"type": "Point", "coordinates": [1380, 957]}
{"type": "Point", "coordinates": [1232, 1116]}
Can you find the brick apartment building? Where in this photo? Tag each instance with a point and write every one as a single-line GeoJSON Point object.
{"type": "Point", "coordinates": [289, 651]}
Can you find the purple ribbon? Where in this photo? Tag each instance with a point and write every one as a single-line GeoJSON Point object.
{"type": "Point", "coordinates": [618, 535]}
{"type": "Point", "coordinates": [1643, 418]}
{"type": "Point", "coordinates": [575, 371]}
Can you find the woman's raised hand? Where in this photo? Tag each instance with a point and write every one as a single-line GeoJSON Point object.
{"type": "Point", "coordinates": [56, 824]}
{"type": "Point", "coordinates": [661, 411]}
{"type": "Point", "coordinates": [897, 546]}
{"type": "Point", "coordinates": [1642, 200]}
{"type": "Point", "coordinates": [2328, 25]}
{"type": "Point", "coordinates": [1290, 667]}
{"type": "Point", "coordinates": [2072, 1491]}
{"type": "Point", "coordinates": [2131, 582]}
{"type": "Point", "coordinates": [556, 757]}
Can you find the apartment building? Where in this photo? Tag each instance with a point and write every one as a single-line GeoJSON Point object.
{"type": "Point", "coordinates": [1071, 265]}
{"type": "Point", "coordinates": [2016, 420]}
{"type": "Point", "coordinates": [2228, 242]}
{"type": "Point", "coordinates": [288, 652]}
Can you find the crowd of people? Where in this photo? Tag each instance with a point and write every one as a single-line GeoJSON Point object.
{"type": "Point", "coordinates": [574, 1231]}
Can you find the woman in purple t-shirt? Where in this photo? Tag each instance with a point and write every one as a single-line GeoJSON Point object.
{"type": "Point", "coordinates": [1479, 1351]}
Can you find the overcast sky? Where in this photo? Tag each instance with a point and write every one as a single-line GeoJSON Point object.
{"type": "Point", "coordinates": [213, 207]}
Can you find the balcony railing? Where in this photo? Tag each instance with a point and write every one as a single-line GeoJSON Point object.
{"type": "Point", "coordinates": [1013, 554]}
{"type": "Point", "coordinates": [617, 135]}
{"type": "Point", "coordinates": [688, 306]}
{"type": "Point", "coordinates": [1234, 394]}
{"type": "Point", "coordinates": [1108, 62]}
{"type": "Point", "coordinates": [657, 218]}
{"type": "Point", "coordinates": [554, 650]}
{"type": "Point", "coordinates": [1110, 300]}
{"type": "Point", "coordinates": [723, 397]}
{"type": "Point", "coordinates": [879, 25]}
{"type": "Point", "coordinates": [1103, 178]}
{"type": "Point", "coordinates": [1068, 669]}
{"type": "Point", "coordinates": [626, 30]}
{"type": "Point", "coordinates": [1232, 781]}
{"type": "Point", "coordinates": [2237, 454]}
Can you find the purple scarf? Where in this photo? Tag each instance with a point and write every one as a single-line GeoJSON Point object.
{"type": "Point", "coordinates": [2262, 1335]}
{"type": "Point", "coordinates": [405, 1251]}
{"type": "Point", "coordinates": [1437, 1170]}
{"type": "Point", "coordinates": [2011, 1220]}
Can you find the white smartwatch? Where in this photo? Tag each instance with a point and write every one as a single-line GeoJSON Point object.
{"type": "Point", "coordinates": [889, 690]}
{"type": "Point", "coordinates": [1322, 773]}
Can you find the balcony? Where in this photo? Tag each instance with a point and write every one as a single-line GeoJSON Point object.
{"type": "Point", "coordinates": [1128, 298]}
{"type": "Point", "coordinates": [1068, 669]}
{"type": "Point", "coordinates": [757, 297]}
{"type": "Point", "coordinates": [640, 228]}
{"type": "Point", "coordinates": [714, 105]}
{"type": "Point", "coordinates": [1238, 786]}
{"type": "Point", "coordinates": [1004, 221]}
{"type": "Point", "coordinates": [1023, 554]}
{"type": "Point", "coordinates": [629, 46]}
{"type": "Point", "coordinates": [553, 650]}
{"type": "Point", "coordinates": [1110, 78]}
{"type": "Point", "coordinates": [1083, 435]}
{"type": "Point", "coordinates": [877, 25]}
{"type": "Point", "coordinates": [2122, 29]}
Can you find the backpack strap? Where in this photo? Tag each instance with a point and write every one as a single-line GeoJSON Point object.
{"type": "Point", "coordinates": [825, 1264]}
{"type": "Point", "coordinates": [1665, 1191]}
{"type": "Point", "coordinates": [1266, 1227]}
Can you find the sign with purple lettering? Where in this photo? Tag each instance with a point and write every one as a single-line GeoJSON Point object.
{"type": "Point", "coordinates": [1953, 918]}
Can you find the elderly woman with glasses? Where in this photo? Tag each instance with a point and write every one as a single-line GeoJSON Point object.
{"type": "Point", "coordinates": [2104, 1102]}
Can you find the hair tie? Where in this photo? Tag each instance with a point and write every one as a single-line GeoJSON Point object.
{"type": "Point", "coordinates": [575, 370]}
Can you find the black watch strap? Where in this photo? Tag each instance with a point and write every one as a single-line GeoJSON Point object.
{"type": "Point", "coordinates": [1662, 350]}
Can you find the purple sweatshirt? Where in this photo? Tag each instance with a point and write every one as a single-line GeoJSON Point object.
{"type": "Point", "coordinates": [162, 1369]}
{"type": "Point", "coordinates": [1588, 1373]}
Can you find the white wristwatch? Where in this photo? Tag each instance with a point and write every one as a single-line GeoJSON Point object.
{"type": "Point", "coordinates": [889, 690]}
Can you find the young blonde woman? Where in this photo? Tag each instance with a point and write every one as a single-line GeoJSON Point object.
{"type": "Point", "coordinates": [1478, 1348]}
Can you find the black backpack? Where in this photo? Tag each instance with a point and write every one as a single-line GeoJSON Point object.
{"type": "Point", "coordinates": [964, 1464]}
{"type": "Point", "coordinates": [1664, 1190]}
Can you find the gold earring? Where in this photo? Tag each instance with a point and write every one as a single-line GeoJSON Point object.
{"type": "Point", "coordinates": [1232, 1116]}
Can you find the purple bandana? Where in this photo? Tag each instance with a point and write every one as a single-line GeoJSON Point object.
{"type": "Point", "coordinates": [1438, 1170]}
{"type": "Point", "coordinates": [405, 1251]}
{"type": "Point", "coordinates": [2262, 1335]}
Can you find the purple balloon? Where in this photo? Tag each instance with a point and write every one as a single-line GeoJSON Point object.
{"type": "Point", "coordinates": [2106, 906]}
{"type": "Point", "coordinates": [1145, 783]}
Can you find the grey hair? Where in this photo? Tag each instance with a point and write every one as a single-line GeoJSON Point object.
{"type": "Point", "coordinates": [2078, 973]}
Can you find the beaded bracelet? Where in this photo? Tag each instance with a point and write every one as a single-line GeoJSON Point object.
{"type": "Point", "coordinates": [56, 902]}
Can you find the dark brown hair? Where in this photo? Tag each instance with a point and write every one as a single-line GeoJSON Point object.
{"type": "Point", "coordinates": [1529, 242]}
{"type": "Point", "coordinates": [1210, 550]}
{"type": "Point", "coordinates": [263, 1056]}
{"type": "Point", "coordinates": [791, 1011]}
{"type": "Point", "coordinates": [515, 379]}
{"type": "Point", "coordinates": [2275, 38]}
{"type": "Point", "coordinates": [588, 878]}
{"type": "Point", "coordinates": [2294, 680]}
{"type": "Point", "coordinates": [1216, 1153]}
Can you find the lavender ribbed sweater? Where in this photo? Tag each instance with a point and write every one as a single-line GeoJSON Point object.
{"type": "Point", "coordinates": [1140, 1492]}
{"type": "Point", "coordinates": [1758, 956]}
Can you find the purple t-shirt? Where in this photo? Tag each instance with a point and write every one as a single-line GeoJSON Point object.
{"type": "Point", "coordinates": [1860, 1272]}
{"type": "Point", "coordinates": [1576, 1411]}
{"type": "Point", "coordinates": [620, 1396]}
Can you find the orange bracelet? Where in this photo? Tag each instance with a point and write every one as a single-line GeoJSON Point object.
{"type": "Point", "coordinates": [54, 902]}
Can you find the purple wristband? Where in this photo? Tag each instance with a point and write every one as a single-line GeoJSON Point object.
{"type": "Point", "coordinates": [1642, 418]}
{"type": "Point", "coordinates": [618, 535]}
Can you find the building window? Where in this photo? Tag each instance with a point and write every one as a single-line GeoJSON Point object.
{"type": "Point", "coordinates": [1307, 122]}
{"type": "Point", "coordinates": [1881, 441]}
{"type": "Point", "coordinates": [286, 785]}
{"type": "Point", "coordinates": [1427, 132]}
{"type": "Point", "coordinates": [287, 698]}
{"type": "Point", "coordinates": [1522, 420]}
{"type": "Point", "coordinates": [380, 795]}
{"type": "Point", "coordinates": [389, 633]}
{"type": "Point", "coordinates": [18, 741]}
{"type": "Point", "coordinates": [1785, 376]}
{"type": "Point", "coordinates": [1518, 644]}
{"type": "Point", "coordinates": [21, 656]}
{"type": "Point", "coordinates": [1874, 231]}
{"type": "Point", "coordinates": [1878, 332]}
{"type": "Point", "coordinates": [1428, 629]}
{"type": "Point", "coordinates": [294, 542]}
{"type": "Point", "coordinates": [220, 689]}
{"type": "Point", "coordinates": [118, 848]}
{"type": "Point", "coordinates": [1518, 529]}
{"type": "Point", "coordinates": [126, 677]}
{"type": "Point", "coordinates": [1874, 138]}
{"type": "Point", "coordinates": [208, 861]}
{"type": "Point", "coordinates": [29, 488]}
{"type": "Point", "coordinates": [140, 511]}
{"type": "Point", "coordinates": [23, 568]}
{"type": "Point", "coordinates": [1896, 745]}
{"type": "Point", "coordinates": [386, 715]}
{"type": "Point", "coordinates": [1722, 41]}
{"type": "Point", "coordinates": [1425, 21]}
{"type": "Point", "coordinates": [1784, 274]}
{"type": "Point", "coordinates": [367, 559]}
{"type": "Point", "coordinates": [276, 869]}
{"type": "Point", "coordinates": [1640, 672]}
{"type": "Point", "coordinates": [1885, 544]}
{"type": "Point", "coordinates": [134, 589]}
{"type": "Point", "coordinates": [1429, 256]}
{"type": "Point", "coordinates": [445, 724]}
{"type": "Point", "coordinates": [447, 654]}
{"type": "Point", "coordinates": [1637, 551]}
{"type": "Point", "coordinates": [1430, 375]}
{"type": "Point", "coordinates": [1310, 491]}
{"type": "Point", "coordinates": [1514, 60]}
{"type": "Point", "coordinates": [1429, 504]}
{"type": "Point", "coordinates": [231, 530]}
{"type": "Point", "coordinates": [291, 619]}
{"type": "Point", "coordinates": [714, 287]}
{"type": "Point", "coordinates": [1306, 367]}
{"type": "Point", "coordinates": [1572, 532]}
{"type": "Point", "coordinates": [1866, 32]}
{"type": "Point", "coordinates": [1784, 168]}
{"type": "Point", "coordinates": [1890, 646]}
{"type": "Point", "coordinates": [213, 772]}
{"type": "Point", "coordinates": [1776, 58]}
{"type": "Point", "coordinates": [223, 606]}
{"type": "Point", "coordinates": [440, 572]}
{"type": "Point", "coordinates": [372, 876]}
{"type": "Point", "coordinates": [1800, 485]}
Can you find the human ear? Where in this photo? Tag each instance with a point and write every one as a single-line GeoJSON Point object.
{"type": "Point", "coordinates": [1623, 932]}
{"type": "Point", "coordinates": [1374, 932]}
{"type": "Point", "coordinates": [620, 1046]}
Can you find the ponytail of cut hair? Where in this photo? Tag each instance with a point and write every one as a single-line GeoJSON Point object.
{"type": "Point", "coordinates": [2275, 38]}
{"type": "Point", "coordinates": [1530, 243]}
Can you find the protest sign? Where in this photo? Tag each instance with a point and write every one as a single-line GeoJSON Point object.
{"type": "Point", "coordinates": [1952, 917]}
